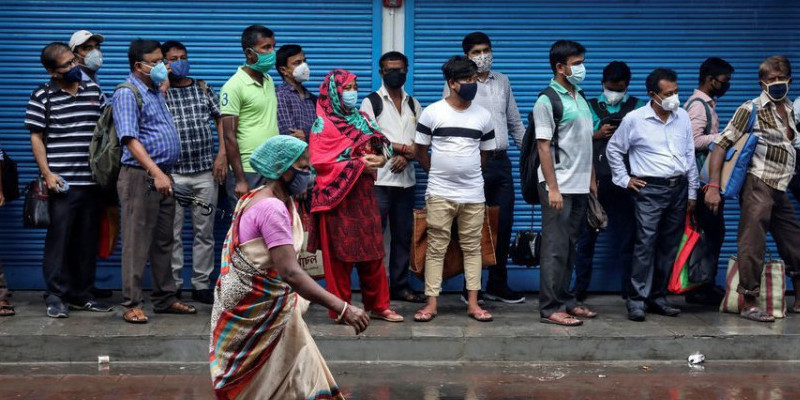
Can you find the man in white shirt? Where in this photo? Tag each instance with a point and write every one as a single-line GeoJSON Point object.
{"type": "Point", "coordinates": [460, 134]}
{"type": "Point", "coordinates": [659, 141]}
{"type": "Point", "coordinates": [396, 114]}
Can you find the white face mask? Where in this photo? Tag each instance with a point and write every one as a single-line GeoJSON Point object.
{"type": "Point", "coordinates": [483, 61]}
{"type": "Point", "coordinates": [301, 73]}
{"type": "Point", "coordinates": [93, 60]}
{"type": "Point", "coordinates": [578, 74]}
{"type": "Point", "coordinates": [613, 97]}
{"type": "Point", "coordinates": [671, 103]}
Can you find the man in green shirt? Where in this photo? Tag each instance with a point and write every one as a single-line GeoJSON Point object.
{"type": "Point", "coordinates": [249, 109]}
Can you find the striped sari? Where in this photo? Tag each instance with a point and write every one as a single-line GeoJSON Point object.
{"type": "Point", "coordinates": [260, 346]}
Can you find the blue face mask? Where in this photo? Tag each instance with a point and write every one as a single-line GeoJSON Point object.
{"type": "Point", "coordinates": [158, 73]}
{"type": "Point", "coordinates": [180, 68]}
{"type": "Point", "coordinates": [73, 75]}
{"type": "Point", "coordinates": [299, 182]}
{"type": "Point", "coordinates": [350, 98]}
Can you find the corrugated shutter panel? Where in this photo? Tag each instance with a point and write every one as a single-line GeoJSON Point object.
{"type": "Point", "coordinates": [645, 34]}
{"type": "Point", "coordinates": [333, 33]}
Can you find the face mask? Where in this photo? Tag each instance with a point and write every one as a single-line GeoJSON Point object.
{"type": "Point", "coordinates": [723, 89]}
{"type": "Point", "coordinates": [73, 75]}
{"type": "Point", "coordinates": [93, 60]}
{"type": "Point", "coordinates": [468, 91]}
{"type": "Point", "coordinates": [301, 73]}
{"type": "Point", "coordinates": [180, 68]}
{"type": "Point", "coordinates": [265, 61]}
{"type": "Point", "coordinates": [483, 61]}
{"type": "Point", "coordinates": [671, 103]}
{"type": "Point", "coordinates": [299, 182]}
{"type": "Point", "coordinates": [777, 91]}
{"type": "Point", "coordinates": [158, 73]}
{"type": "Point", "coordinates": [349, 98]}
{"type": "Point", "coordinates": [578, 73]}
{"type": "Point", "coordinates": [613, 97]}
{"type": "Point", "coordinates": [394, 79]}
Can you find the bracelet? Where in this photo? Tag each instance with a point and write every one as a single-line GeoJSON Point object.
{"type": "Point", "coordinates": [711, 185]}
{"type": "Point", "coordinates": [344, 311]}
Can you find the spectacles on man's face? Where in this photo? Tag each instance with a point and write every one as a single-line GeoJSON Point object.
{"type": "Point", "coordinates": [68, 64]}
{"type": "Point", "coordinates": [153, 63]}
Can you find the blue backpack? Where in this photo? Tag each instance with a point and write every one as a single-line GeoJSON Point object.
{"type": "Point", "coordinates": [736, 163]}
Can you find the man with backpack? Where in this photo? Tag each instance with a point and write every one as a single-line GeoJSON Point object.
{"type": "Point", "coordinates": [396, 114]}
{"type": "Point", "coordinates": [495, 95]}
{"type": "Point", "coordinates": [715, 80]}
{"type": "Point", "coordinates": [562, 122]}
{"type": "Point", "coordinates": [61, 117]}
{"type": "Point", "coordinates": [194, 106]}
{"type": "Point", "coordinates": [151, 148]}
{"type": "Point", "coordinates": [607, 112]}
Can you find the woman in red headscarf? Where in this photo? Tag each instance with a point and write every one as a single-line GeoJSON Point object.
{"type": "Point", "coordinates": [346, 151]}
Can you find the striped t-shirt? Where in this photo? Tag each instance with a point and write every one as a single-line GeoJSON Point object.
{"type": "Point", "coordinates": [72, 122]}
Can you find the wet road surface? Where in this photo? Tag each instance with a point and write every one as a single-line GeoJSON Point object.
{"type": "Point", "coordinates": [575, 381]}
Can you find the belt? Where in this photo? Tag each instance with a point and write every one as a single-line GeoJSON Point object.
{"type": "Point", "coordinates": [498, 154]}
{"type": "Point", "coordinates": [162, 168]}
{"type": "Point", "coordinates": [669, 182]}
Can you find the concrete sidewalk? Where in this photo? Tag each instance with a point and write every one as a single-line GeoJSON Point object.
{"type": "Point", "coordinates": [515, 335]}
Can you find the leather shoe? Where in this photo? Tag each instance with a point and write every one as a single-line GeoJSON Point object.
{"type": "Point", "coordinates": [636, 314]}
{"type": "Point", "coordinates": [663, 309]}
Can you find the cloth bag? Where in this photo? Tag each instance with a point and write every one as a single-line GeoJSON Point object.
{"type": "Point", "coordinates": [772, 298]}
{"type": "Point", "coordinates": [109, 231]}
{"type": "Point", "coordinates": [36, 213]}
{"type": "Point", "coordinates": [454, 258]}
{"type": "Point", "coordinates": [310, 262]}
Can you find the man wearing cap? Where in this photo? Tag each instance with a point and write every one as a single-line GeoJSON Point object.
{"type": "Point", "coordinates": [86, 46]}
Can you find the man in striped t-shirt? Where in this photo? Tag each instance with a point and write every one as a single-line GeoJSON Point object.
{"type": "Point", "coordinates": [61, 116]}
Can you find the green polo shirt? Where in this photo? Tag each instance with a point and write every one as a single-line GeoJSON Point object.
{"type": "Point", "coordinates": [257, 108]}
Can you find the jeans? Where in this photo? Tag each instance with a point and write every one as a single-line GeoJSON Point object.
{"type": "Point", "coordinates": [397, 210]}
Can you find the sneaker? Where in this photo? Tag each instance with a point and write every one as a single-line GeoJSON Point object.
{"type": "Point", "coordinates": [205, 296]}
{"type": "Point", "coordinates": [57, 309]}
{"type": "Point", "coordinates": [91, 305]}
{"type": "Point", "coordinates": [101, 293]}
{"type": "Point", "coordinates": [481, 299]}
{"type": "Point", "coordinates": [505, 295]}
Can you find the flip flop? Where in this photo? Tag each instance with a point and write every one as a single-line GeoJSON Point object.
{"type": "Point", "coordinates": [481, 316]}
{"type": "Point", "coordinates": [387, 315]}
{"type": "Point", "coordinates": [757, 315]}
{"type": "Point", "coordinates": [583, 312]}
{"type": "Point", "coordinates": [562, 319]}
{"type": "Point", "coordinates": [6, 309]}
{"type": "Point", "coordinates": [424, 316]}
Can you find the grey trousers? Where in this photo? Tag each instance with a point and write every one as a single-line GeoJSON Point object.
{"type": "Point", "coordinates": [147, 221]}
{"type": "Point", "coordinates": [203, 186]}
{"type": "Point", "coordinates": [253, 179]}
{"type": "Point", "coordinates": [560, 232]}
{"type": "Point", "coordinates": [660, 213]}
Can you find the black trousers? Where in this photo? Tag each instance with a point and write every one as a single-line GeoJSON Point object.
{"type": "Point", "coordinates": [713, 226]}
{"type": "Point", "coordinates": [499, 191]}
{"type": "Point", "coordinates": [397, 210]}
{"type": "Point", "coordinates": [70, 247]}
{"type": "Point", "coordinates": [660, 213]}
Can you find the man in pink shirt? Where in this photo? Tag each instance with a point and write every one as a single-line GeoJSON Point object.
{"type": "Point", "coordinates": [715, 80]}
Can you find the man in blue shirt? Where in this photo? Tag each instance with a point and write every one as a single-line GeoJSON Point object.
{"type": "Point", "coordinates": [658, 140]}
{"type": "Point", "coordinates": [607, 112]}
{"type": "Point", "coordinates": [151, 147]}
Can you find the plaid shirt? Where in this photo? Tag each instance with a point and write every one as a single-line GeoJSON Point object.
{"type": "Point", "coordinates": [152, 125]}
{"type": "Point", "coordinates": [193, 109]}
{"type": "Point", "coordinates": [774, 158]}
{"type": "Point", "coordinates": [294, 112]}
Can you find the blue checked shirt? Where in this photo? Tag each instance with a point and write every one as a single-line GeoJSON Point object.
{"type": "Point", "coordinates": [152, 126]}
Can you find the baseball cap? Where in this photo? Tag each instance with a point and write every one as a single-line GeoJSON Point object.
{"type": "Point", "coordinates": [80, 37]}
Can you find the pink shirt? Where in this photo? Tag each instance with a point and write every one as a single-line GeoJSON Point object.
{"type": "Point", "coordinates": [268, 219]}
{"type": "Point", "coordinates": [697, 114]}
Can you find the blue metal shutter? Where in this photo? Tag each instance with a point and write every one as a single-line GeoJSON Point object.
{"type": "Point", "coordinates": [646, 34]}
{"type": "Point", "coordinates": [333, 33]}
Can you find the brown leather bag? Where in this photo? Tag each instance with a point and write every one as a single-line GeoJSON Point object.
{"type": "Point", "coordinates": [454, 258]}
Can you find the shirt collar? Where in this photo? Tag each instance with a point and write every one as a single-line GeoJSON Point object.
{"type": "Point", "coordinates": [651, 113]}
{"type": "Point", "coordinates": [561, 89]}
{"type": "Point", "coordinates": [54, 88]}
{"type": "Point", "coordinates": [140, 85]}
{"type": "Point", "coordinates": [247, 79]}
{"type": "Point", "coordinates": [384, 93]}
{"type": "Point", "coordinates": [765, 101]}
{"type": "Point", "coordinates": [699, 94]}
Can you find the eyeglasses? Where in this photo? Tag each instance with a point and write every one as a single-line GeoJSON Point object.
{"type": "Point", "coordinates": [73, 61]}
{"type": "Point", "coordinates": [153, 64]}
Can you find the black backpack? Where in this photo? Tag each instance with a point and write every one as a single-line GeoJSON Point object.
{"type": "Point", "coordinates": [599, 146]}
{"type": "Point", "coordinates": [529, 157]}
{"type": "Point", "coordinates": [377, 104]}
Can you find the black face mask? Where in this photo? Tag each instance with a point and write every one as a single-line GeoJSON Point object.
{"type": "Point", "coordinates": [723, 88]}
{"type": "Point", "coordinates": [394, 79]}
{"type": "Point", "coordinates": [467, 91]}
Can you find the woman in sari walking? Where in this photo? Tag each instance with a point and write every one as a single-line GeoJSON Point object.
{"type": "Point", "coordinates": [260, 346]}
{"type": "Point", "coordinates": [346, 152]}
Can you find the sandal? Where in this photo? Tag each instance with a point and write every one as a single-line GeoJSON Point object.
{"type": "Point", "coordinates": [6, 309]}
{"type": "Point", "coordinates": [387, 315]}
{"type": "Point", "coordinates": [757, 315]}
{"type": "Point", "coordinates": [481, 316]}
{"type": "Point", "coordinates": [135, 316]}
{"type": "Point", "coordinates": [178, 307]}
{"type": "Point", "coordinates": [424, 315]}
{"type": "Point", "coordinates": [793, 310]}
{"type": "Point", "coordinates": [562, 319]}
{"type": "Point", "coordinates": [583, 312]}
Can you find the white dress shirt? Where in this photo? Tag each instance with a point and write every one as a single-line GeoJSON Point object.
{"type": "Point", "coordinates": [656, 149]}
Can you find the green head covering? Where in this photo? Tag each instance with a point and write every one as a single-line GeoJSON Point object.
{"type": "Point", "coordinates": [276, 155]}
